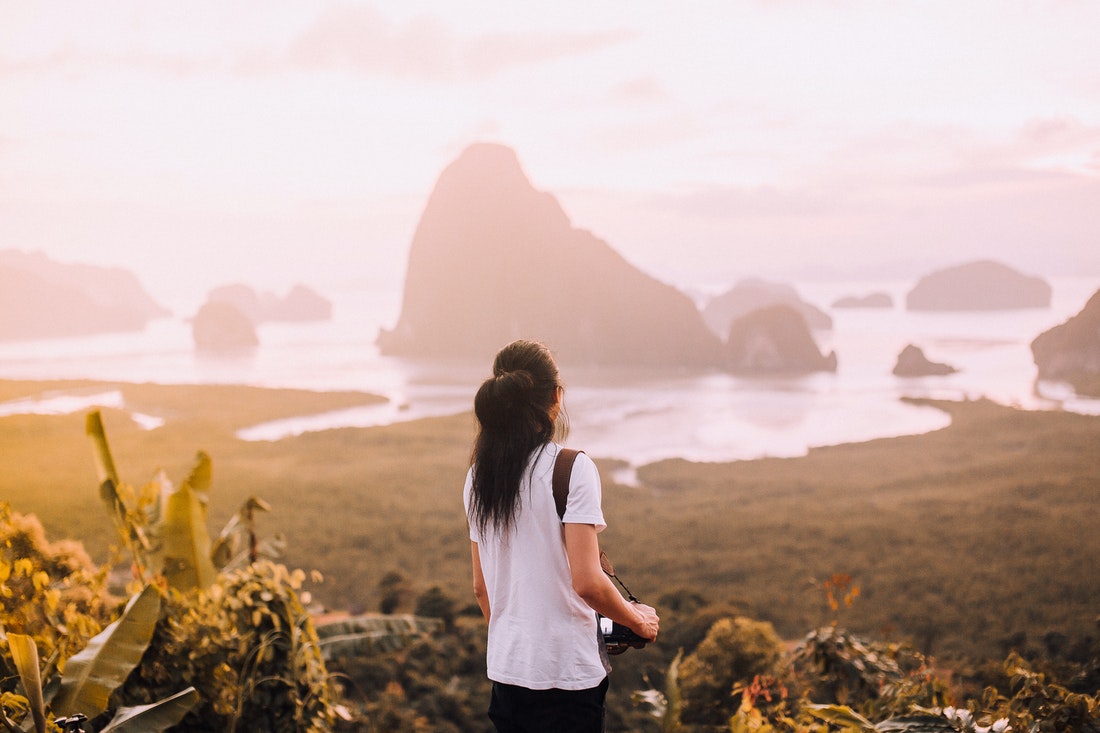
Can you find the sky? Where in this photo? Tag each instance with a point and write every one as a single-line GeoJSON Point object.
{"type": "Point", "coordinates": [200, 143]}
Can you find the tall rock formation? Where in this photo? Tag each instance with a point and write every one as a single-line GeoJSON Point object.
{"type": "Point", "coordinates": [1071, 352]}
{"type": "Point", "coordinates": [494, 260]}
{"type": "Point", "coordinates": [978, 286]}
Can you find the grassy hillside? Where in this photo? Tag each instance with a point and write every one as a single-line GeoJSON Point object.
{"type": "Point", "coordinates": [957, 539]}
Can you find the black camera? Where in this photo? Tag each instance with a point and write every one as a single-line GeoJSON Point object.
{"type": "Point", "coordinates": [618, 638]}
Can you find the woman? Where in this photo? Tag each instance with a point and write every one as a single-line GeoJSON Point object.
{"type": "Point", "coordinates": [538, 578]}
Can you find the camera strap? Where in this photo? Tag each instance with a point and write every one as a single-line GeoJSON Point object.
{"type": "Point", "coordinates": [563, 468]}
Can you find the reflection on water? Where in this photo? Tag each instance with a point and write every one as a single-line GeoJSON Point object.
{"type": "Point", "coordinates": [66, 403]}
{"type": "Point", "coordinates": [62, 403]}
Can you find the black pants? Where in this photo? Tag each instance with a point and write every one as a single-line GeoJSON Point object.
{"type": "Point", "coordinates": [519, 710]}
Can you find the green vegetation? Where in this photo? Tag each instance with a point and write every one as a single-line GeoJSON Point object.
{"type": "Point", "coordinates": [959, 548]}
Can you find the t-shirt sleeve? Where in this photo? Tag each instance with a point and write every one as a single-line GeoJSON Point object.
{"type": "Point", "coordinates": [585, 495]}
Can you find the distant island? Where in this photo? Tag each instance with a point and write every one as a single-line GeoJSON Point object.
{"type": "Point", "coordinates": [226, 322]}
{"type": "Point", "coordinates": [42, 298]}
{"type": "Point", "coordinates": [301, 303]}
{"type": "Point", "coordinates": [774, 340]}
{"type": "Point", "coordinates": [1070, 352]}
{"type": "Point", "coordinates": [984, 285]}
{"type": "Point", "coordinates": [913, 363]}
{"type": "Point", "coordinates": [871, 300]}
{"type": "Point", "coordinates": [220, 327]}
{"type": "Point", "coordinates": [753, 294]}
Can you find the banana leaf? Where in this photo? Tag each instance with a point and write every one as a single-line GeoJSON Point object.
{"type": "Point", "coordinates": [108, 482]}
{"type": "Point", "coordinates": [372, 633]}
{"type": "Point", "coordinates": [24, 653]}
{"type": "Point", "coordinates": [842, 715]}
{"type": "Point", "coordinates": [104, 463]}
{"type": "Point", "coordinates": [916, 723]}
{"type": "Point", "coordinates": [155, 716]}
{"type": "Point", "coordinates": [154, 519]}
{"type": "Point", "coordinates": [91, 675]}
{"type": "Point", "coordinates": [187, 562]}
{"type": "Point", "coordinates": [105, 467]}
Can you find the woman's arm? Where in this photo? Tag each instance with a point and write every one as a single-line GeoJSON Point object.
{"type": "Point", "coordinates": [481, 593]}
{"type": "Point", "coordinates": [596, 589]}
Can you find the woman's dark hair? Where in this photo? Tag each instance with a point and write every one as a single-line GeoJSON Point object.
{"type": "Point", "coordinates": [513, 409]}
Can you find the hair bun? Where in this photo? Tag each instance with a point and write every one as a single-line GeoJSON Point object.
{"type": "Point", "coordinates": [504, 397]}
{"type": "Point", "coordinates": [516, 383]}
{"type": "Point", "coordinates": [514, 390]}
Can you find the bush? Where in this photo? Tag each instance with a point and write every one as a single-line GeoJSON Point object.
{"type": "Point", "coordinates": [249, 647]}
{"type": "Point", "coordinates": [436, 603]}
{"type": "Point", "coordinates": [49, 591]}
{"type": "Point", "coordinates": [734, 652]}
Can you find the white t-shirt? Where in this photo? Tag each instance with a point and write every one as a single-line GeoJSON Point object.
{"type": "Point", "coordinates": [541, 634]}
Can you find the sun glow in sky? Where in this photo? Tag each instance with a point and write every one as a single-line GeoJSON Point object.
{"type": "Point", "coordinates": [199, 143]}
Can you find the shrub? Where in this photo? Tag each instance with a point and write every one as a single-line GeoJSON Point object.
{"type": "Point", "coordinates": [734, 652]}
{"type": "Point", "coordinates": [49, 591]}
{"type": "Point", "coordinates": [436, 603]}
{"type": "Point", "coordinates": [249, 647]}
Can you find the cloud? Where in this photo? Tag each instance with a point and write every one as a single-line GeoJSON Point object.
{"type": "Point", "coordinates": [71, 58]}
{"type": "Point", "coordinates": [354, 38]}
{"type": "Point", "coordinates": [640, 90]}
{"type": "Point", "coordinates": [646, 135]}
{"type": "Point", "coordinates": [729, 202]}
{"type": "Point", "coordinates": [1061, 141]}
{"type": "Point", "coordinates": [361, 40]}
{"type": "Point", "coordinates": [490, 53]}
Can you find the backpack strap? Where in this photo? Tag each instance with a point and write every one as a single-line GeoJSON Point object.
{"type": "Point", "coordinates": [563, 468]}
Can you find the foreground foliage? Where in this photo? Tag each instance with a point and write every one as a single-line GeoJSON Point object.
{"type": "Point", "coordinates": [80, 683]}
{"type": "Point", "coordinates": [834, 681]}
{"type": "Point", "coordinates": [212, 637]}
{"type": "Point", "coordinates": [433, 677]}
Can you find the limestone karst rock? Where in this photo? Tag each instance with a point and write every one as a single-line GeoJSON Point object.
{"type": "Point", "coordinates": [221, 327]}
{"type": "Point", "coordinates": [752, 294]}
{"type": "Point", "coordinates": [300, 303]}
{"type": "Point", "coordinates": [774, 340]}
{"type": "Point", "coordinates": [913, 363]}
{"type": "Point", "coordinates": [493, 259]}
{"type": "Point", "coordinates": [978, 286]}
{"type": "Point", "coordinates": [871, 300]}
{"type": "Point", "coordinates": [1070, 352]}
{"type": "Point", "coordinates": [41, 298]}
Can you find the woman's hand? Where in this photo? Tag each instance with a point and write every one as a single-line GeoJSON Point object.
{"type": "Point", "coordinates": [595, 588]}
{"type": "Point", "coordinates": [648, 622]}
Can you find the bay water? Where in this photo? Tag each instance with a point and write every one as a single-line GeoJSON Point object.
{"type": "Point", "coordinates": [635, 415]}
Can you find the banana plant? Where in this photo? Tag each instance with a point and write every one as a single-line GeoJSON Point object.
{"type": "Point", "coordinates": [91, 675]}
{"type": "Point", "coordinates": [238, 545]}
{"type": "Point", "coordinates": [130, 529]}
{"type": "Point", "coordinates": [165, 529]}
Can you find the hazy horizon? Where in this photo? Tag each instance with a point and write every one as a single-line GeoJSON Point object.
{"type": "Point", "coordinates": [198, 144]}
